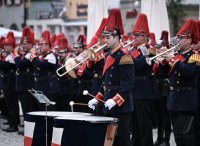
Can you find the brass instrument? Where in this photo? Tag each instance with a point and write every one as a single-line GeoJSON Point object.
{"type": "Point", "coordinates": [149, 60]}
{"type": "Point", "coordinates": [128, 43]}
{"type": "Point", "coordinates": [72, 63]}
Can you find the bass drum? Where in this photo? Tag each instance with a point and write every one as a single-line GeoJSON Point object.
{"type": "Point", "coordinates": [69, 64]}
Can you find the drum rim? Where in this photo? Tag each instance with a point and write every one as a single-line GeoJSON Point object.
{"type": "Point", "coordinates": [89, 119]}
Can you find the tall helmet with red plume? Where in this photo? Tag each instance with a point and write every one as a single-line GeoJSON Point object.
{"type": "Point", "coordinates": [81, 42]}
{"type": "Point", "coordinates": [101, 27]}
{"type": "Point", "coordinates": [189, 30]}
{"type": "Point", "coordinates": [152, 39]}
{"type": "Point", "coordinates": [10, 39]}
{"type": "Point", "coordinates": [53, 39]}
{"type": "Point", "coordinates": [45, 38]}
{"type": "Point", "coordinates": [141, 26]}
{"type": "Point", "coordinates": [1, 42]}
{"type": "Point", "coordinates": [63, 45]}
{"type": "Point", "coordinates": [27, 36]}
{"type": "Point", "coordinates": [164, 41]}
{"type": "Point", "coordinates": [114, 24]}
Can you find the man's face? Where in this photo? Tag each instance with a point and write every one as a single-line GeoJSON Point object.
{"type": "Point", "coordinates": [27, 46]}
{"type": "Point", "coordinates": [139, 39]}
{"type": "Point", "coordinates": [8, 48]}
{"type": "Point", "coordinates": [44, 48]}
{"type": "Point", "coordinates": [78, 50]}
{"type": "Point", "coordinates": [62, 54]}
{"type": "Point", "coordinates": [102, 40]}
{"type": "Point", "coordinates": [184, 43]}
{"type": "Point", "coordinates": [111, 41]}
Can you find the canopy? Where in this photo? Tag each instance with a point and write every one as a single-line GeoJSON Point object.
{"type": "Point", "coordinates": [4, 31]}
{"type": "Point", "coordinates": [97, 10]}
{"type": "Point", "coordinates": [156, 11]}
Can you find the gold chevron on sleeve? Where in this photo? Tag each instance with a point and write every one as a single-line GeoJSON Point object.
{"type": "Point", "coordinates": [194, 58]}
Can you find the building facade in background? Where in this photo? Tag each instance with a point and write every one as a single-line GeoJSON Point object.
{"type": "Point", "coordinates": [12, 14]}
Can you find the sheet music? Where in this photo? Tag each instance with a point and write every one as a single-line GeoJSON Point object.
{"type": "Point", "coordinates": [41, 98]}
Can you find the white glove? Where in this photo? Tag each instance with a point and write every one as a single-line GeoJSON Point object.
{"type": "Point", "coordinates": [159, 59]}
{"type": "Point", "coordinates": [110, 103]}
{"type": "Point", "coordinates": [92, 103]}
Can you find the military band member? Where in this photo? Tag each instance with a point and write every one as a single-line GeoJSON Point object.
{"type": "Point", "coordinates": [8, 68]}
{"type": "Point", "coordinates": [97, 65]}
{"type": "Point", "coordinates": [66, 82]}
{"type": "Point", "coordinates": [183, 99]}
{"type": "Point", "coordinates": [118, 80]}
{"type": "Point", "coordinates": [197, 118]}
{"type": "Point", "coordinates": [3, 107]}
{"type": "Point", "coordinates": [24, 69]}
{"type": "Point", "coordinates": [84, 77]}
{"type": "Point", "coordinates": [143, 92]}
{"type": "Point", "coordinates": [160, 78]}
{"type": "Point", "coordinates": [46, 79]}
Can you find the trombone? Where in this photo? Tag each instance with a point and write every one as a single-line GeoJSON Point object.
{"type": "Point", "coordinates": [149, 60]}
{"type": "Point", "coordinates": [89, 53]}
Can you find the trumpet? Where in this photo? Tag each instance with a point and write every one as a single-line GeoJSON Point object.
{"type": "Point", "coordinates": [149, 60]}
{"type": "Point", "coordinates": [128, 43]}
{"type": "Point", "coordinates": [72, 63]}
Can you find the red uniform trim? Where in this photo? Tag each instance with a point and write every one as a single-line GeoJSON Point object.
{"type": "Point", "coordinates": [118, 99]}
{"type": "Point", "coordinates": [109, 61]}
{"type": "Point", "coordinates": [135, 53]}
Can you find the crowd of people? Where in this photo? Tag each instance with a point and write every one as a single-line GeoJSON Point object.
{"type": "Point", "coordinates": [118, 69]}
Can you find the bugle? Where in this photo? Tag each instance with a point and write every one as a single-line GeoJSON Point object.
{"type": "Point", "coordinates": [149, 60]}
{"type": "Point", "coordinates": [89, 53]}
{"type": "Point", "coordinates": [128, 43]}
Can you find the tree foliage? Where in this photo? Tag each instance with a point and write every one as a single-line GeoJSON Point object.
{"type": "Point", "coordinates": [176, 15]}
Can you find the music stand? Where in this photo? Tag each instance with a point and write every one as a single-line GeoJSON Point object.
{"type": "Point", "coordinates": [41, 98]}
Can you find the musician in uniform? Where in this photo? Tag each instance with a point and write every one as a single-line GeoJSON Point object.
{"type": "Point", "coordinates": [84, 77]}
{"type": "Point", "coordinates": [3, 107]}
{"type": "Point", "coordinates": [46, 79]}
{"type": "Point", "coordinates": [161, 85]}
{"type": "Point", "coordinates": [24, 69]}
{"type": "Point", "coordinates": [183, 79]}
{"type": "Point", "coordinates": [97, 65]}
{"type": "Point", "coordinates": [118, 80]}
{"type": "Point", "coordinates": [66, 82]}
{"type": "Point", "coordinates": [8, 68]}
{"type": "Point", "coordinates": [197, 118]}
{"type": "Point", "coordinates": [143, 92]}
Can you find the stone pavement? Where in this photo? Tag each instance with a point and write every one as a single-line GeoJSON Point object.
{"type": "Point", "coordinates": [13, 139]}
{"type": "Point", "coordinates": [9, 139]}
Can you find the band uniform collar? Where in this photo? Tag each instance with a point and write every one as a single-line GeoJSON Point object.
{"type": "Point", "coordinates": [186, 51]}
{"type": "Point", "coordinates": [116, 48]}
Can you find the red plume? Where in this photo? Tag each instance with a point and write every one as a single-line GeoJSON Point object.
{"type": "Point", "coordinates": [190, 29]}
{"type": "Point", "coordinates": [141, 25]}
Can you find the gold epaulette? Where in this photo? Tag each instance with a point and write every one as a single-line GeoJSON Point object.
{"type": "Point", "coordinates": [126, 59]}
{"type": "Point", "coordinates": [194, 58]}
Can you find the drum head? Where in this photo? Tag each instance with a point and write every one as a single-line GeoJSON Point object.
{"type": "Point", "coordinates": [58, 114]}
{"type": "Point", "coordinates": [69, 64]}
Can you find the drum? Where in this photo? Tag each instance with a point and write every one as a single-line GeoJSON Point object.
{"type": "Point", "coordinates": [80, 130]}
{"type": "Point", "coordinates": [35, 126]}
